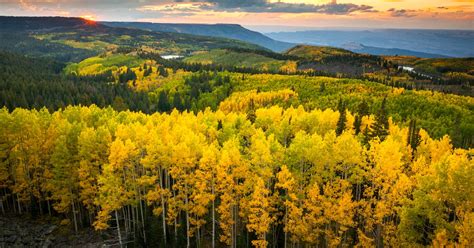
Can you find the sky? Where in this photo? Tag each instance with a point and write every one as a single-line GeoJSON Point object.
{"type": "Point", "coordinates": [297, 14]}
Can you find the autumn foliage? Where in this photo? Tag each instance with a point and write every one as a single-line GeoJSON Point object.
{"type": "Point", "coordinates": [219, 178]}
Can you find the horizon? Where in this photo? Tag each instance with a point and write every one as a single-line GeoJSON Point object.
{"type": "Point", "coordinates": [310, 14]}
{"type": "Point", "coordinates": [258, 28]}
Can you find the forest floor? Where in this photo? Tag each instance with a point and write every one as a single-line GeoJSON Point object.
{"type": "Point", "coordinates": [26, 232]}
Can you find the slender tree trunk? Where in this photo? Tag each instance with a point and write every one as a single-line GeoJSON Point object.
{"type": "Point", "coordinates": [49, 207]}
{"type": "Point", "coordinates": [213, 219]}
{"type": "Point", "coordinates": [90, 217]}
{"type": "Point", "coordinates": [175, 225]}
{"type": "Point", "coordinates": [125, 220]}
{"type": "Point", "coordinates": [134, 220]}
{"type": "Point", "coordinates": [286, 223]}
{"type": "Point", "coordinates": [143, 220]}
{"type": "Point", "coordinates": [234, 236]}
{"type": "Point", "coordinates": [163, 212]}
{"type": "Point", "coordinates": [188, 244]}
{"type": "Point", "coordinates": [39, 203]}
{"type": "Point", "coordinates": [129, 218]}
{"type": "Point", "coordinates": [19, 204]}
{"type": "Point", "coordinates": [198, 237]}
{"type": "Point", "coordinates": [74, 216]}
{"type": "Point", "coordinates": [118, 228]}
{"type": "Point", "coordinates": [14, 203]}
{"type": "Point", "coordinates": [175, 231]}
{"type": "Point", "coordinates": [3, 208]}
{"type": "Point", "coordinates": [81, 216]}
{"type": "Point", "coordinates": [378, 237]}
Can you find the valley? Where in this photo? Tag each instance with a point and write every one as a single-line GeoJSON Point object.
{"type": "Point", "coordinates": [138, 134]}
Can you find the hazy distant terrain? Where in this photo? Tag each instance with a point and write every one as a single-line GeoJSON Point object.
{"type": "Point", "coordinates": [453, 43]}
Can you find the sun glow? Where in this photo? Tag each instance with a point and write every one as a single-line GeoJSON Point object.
{"type": "Point", "coordinates": [89, 17]}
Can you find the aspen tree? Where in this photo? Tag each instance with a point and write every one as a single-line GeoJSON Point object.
{"type": "Point", "coordinates": [259, 218]}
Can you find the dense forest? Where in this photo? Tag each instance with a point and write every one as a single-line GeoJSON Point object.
{"type": "Point", "coordinates": [264, 177]}
{"type": "Point", "coordinates": [230, 144]}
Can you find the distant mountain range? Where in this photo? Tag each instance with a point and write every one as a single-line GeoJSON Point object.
{"type": "Point", "coordinates": [230, 31]}
{"type": "Point", "coordinates": [360, 48]}
{"type": "Point", "coordinates": [424, 43]}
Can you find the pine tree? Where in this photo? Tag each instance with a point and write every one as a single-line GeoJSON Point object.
{"type": "Point", "coordinates": [163, 102]}
{"type": "Point", "coordinates": [341, 123]}
{"type": "Point", "coordinates": [362, 110]}
{"type": "Point", "coordinates": [380, 127]}
{"type": "Point", "coordinates": [413, 135]}
{"type": "Point", "coordinates": [177, 101]}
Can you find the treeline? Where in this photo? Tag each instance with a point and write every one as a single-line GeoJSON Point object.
{"type": "Point", "coordinates": [266, 53]}
{"type": "Point", "coordinates": [198, 67]}
{"type": "Point", "coordinates": [38, 83]}
{"type": "Point", "coordinates": [265, 178]}
{"type": "Point", "coordinates": [338, 66]}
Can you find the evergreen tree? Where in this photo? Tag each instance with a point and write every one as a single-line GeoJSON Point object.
{"type": "Point", "coordinates": [341, 123]}
{"type": "Point", "coordinates": [380, 128]}
{"type": "Point", "coordinates": [163, 102]}
{"type": "Point", "coordinates": [362, 110]}
{"type": "Point", "coordinates": [162, 71]}
{"type": "Point", "coordinates": [177, 102]}
{"type": "Point", "coordinates": [251, 115]}
{"type": "Point", "coordinates": [322, 87]}
{"type": "Point", "coordinates": [413, 135]}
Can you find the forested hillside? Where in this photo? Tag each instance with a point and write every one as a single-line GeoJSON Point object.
{"type": "Point", "coordinates": [230, 31]}
{"type": "Point", "coordinates": [74, 39]}
{"type": "Point", "coordinates": [135, 138]}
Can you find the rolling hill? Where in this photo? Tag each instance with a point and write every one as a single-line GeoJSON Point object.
{"type": "Point", "coordinates": [230, 31]}
{"type": "Point", "coordinates": [74, 39]}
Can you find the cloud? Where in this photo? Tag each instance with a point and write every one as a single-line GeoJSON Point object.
{"type": "Point", "coordinates": [402, 12]}
{"type": "Point", "coordinates": [264, 6]}
{"type": "Point", "coordinates": [251, 6]}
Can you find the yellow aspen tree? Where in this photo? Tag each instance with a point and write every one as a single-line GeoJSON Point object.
{"type": "Point", "coordinates": [113, 189]}
{"type": "Point", "coordinates": [93, 149]}
{"type": "Point", "coordinates": [185, 157]}
{"type": "Point", "coordinates": [25, 157]}
{"type": "Point", "coordinates": [155, 164]}
{"type": "Point", "coordinates": [313, 219]}
{"type": "Point", "coordinates": [339, 212]}
{"type": "Point", "coordinates": [207, 172]}
{"type": "Point", "coordinates": [389, 187]}
{"type": "Point", "coordinates": [286, 182]}
{"type": "Point", "coordinates": [231, 169]}
{"type": "Point", "coordinates": [65, 180]}
{"type": "Point", "coordinates": [259, 219]}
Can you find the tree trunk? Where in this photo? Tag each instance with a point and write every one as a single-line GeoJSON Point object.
{"type": "Point", "coordinates": [19, 204]}
{"type": "Point", "coordinates": [118, 228]}
{"type": "Point", "coordinates": [378, 237]}
{"type": "Point", "coordinates": [213, 219]}
{"type": "Point", "coordinates": [188, 244]}
{"type": "Point", "coordinates": [286, 223]}
{"type": "Point", "coordinates": [125, 220]}
{"type": "Point", "coordinates": [143, 220]}
{"type": "Point", "coordinates": [3, 208]}
{"type": "Point", "coordinates": [163, 212]}
{"type": "Point", "coordinates": [74, 216]}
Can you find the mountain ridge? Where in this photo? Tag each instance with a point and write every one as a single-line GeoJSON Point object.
{"type": "Point", "coordinates": [223, 30]}
{"type": "Point", "coordinates": [380, 51]}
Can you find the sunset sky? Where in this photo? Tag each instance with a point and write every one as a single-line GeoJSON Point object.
{"type": "Point", "coordinates": [452, 14]}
